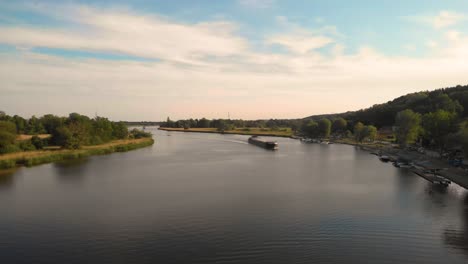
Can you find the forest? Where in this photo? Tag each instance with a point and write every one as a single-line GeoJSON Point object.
{"type": "Point", "coordinates": [71, 132]}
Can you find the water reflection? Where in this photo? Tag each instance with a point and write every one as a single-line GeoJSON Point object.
{"type": "Point", "coordinates": [204, 198]}
{"type": "Point", "coordinates": [458, 237]}
{"type": "Point", "coordinates": [71, 170]}
{"type": "Point", "coordinates": [7, 178]}
{"type": "Point", "coordinates": [407, 180]}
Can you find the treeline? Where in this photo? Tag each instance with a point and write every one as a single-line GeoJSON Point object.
{"type": "Point", "coordinates": [437, 120]}
{"type": "Point", "coordinates": [453, 99]}
{"type": "Point", "coordinates": [338, 128]}
{"type": "Point", "coordinates": [440, 130]}
{"type": "Point", "coordinates": [229, 124]}
{"type": "Point", "coordinates": [142, 123]}
{"type": "Point", "coordinates": [70, 132]}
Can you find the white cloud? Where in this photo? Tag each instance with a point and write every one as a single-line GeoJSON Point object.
{"type": "Point", "coordinates": [300, 43]}
{"type": "Point", "coordinates": [442, 20]}
{"type": "Point", "coordinates": [140, 35]}
{"type": "Point", "coordinates": [432, 44]}
{"type": "Point", "coordinates": [447, 18]}
{"type": "Point", "coordinates": [410, 47]}
{"type": "Point", "coordinates": [206, 69]}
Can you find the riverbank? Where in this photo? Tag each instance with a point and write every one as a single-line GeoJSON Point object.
{"type": "Point", "coordinates": [33, 158]}
{"type": "Point", "coordinates": [456, 175]}
{"type": "Point", "coordinates": [284, 132]}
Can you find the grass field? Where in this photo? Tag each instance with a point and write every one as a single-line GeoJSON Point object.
{"type": "Point", "coordinates": [31, 158]}
{"type": "Point", "coordinates": [280, 132]}
{"type": "Point", "coordinates": [23, 137]}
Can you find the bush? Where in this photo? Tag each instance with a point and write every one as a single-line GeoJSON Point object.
{"type": "Point", "coordinates": [7, 164]}
{"type": "Point", "coordinates": [135, 133]}
{"type": "Point", "coordinates": [37, 142]}
{"type": "Point", "coordinates": [26, 145]}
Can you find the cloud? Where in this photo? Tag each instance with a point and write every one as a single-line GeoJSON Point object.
{"type": "Point", "coordinates": [128, 33]}
{"type": "Point", "coordinates": [205, 69]}
{"type": "Point", "coordinates": [446, 18]}
{"type": "Point", "coordinates": [300, 40]}
{"type": "Point", "coordinates": [259, 4]}
{"type": "Point", "coordinates": [442, 20]}
{"type": "Point", "coordinates": [300, 43]}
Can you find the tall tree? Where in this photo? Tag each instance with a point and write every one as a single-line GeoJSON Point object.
{"type": "Point", "coordinates": [311, 129]}
{"type": "Point", "coordinates": [464, 137]}
{"type": "Point", "coordinates": [7, 136]}
{"type": "Point", "coordinates": [324, 126]}
{"type": "Point", "coordinates": [339, 125]}
{"type": "Point", "coordinates": [369, 132]}
{"type": "Point", "coordinates": [437, 126]}
{"type": "Point", "coordinates": [358, 132]}
{"type": "Point", "coordinates": [408, 125]}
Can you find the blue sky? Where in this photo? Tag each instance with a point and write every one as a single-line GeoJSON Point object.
{"type": "Point", "coordinates": [151, 59]}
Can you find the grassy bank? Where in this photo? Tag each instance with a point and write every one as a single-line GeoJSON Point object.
{"type": "Point", "coordinates": [254, 131]}
{"type": "Point", "coordinates": [32, 158]}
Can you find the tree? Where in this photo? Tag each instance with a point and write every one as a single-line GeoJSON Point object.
{"type": "Point", "coordinates": [358, 132]}
{"type": "Point", "coordinates": [119, 130]}
{"type": "Point", "coordinates": [102, 131]}
{"type": "Point", "coordinates": [7, 136]}
{"type": "Point", "coordinates": [8, 127]}
{"type": "Point", "coordinates": [34, 126]}
{"type": "Point", "coordinates": [20, 124]}
{"type": "Point", "coordinates": [169, 123]}
{"type": "Point", "coordinates": [51, 123]}
{"type": "Point", "coordinates": [408, 125]}
{"type": "Point", "coordinates": [37, 142]}
{"type": "Point", "coordinates": [311, 129]}
{"type": "Point", "coordinates": [437, 126]}
{"type": "Point", "coordinates": [443, 102]}
{"type": "Point", "coordinates": [221, 125]}
{"type": "Point", "coordinates": [204, 123]}
{"type": "Point", "coordinates": [339, 126]}
{"type": "Point", "coordinates": [62, 136]}
{"type": "Point", "coordinates": [324, 126]}
{"type": "Point", "coordinates": [464, 137]}
{"type": "Point", "coordinates": [369, 132]}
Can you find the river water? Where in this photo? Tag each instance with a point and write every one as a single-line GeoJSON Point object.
{"type": "Point", "coordinates": [209, 198]}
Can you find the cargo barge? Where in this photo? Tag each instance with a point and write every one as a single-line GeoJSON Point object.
{"type": "Point", "coordinates": [262, 143]}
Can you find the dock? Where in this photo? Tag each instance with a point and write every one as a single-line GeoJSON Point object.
{"type": "Point", "coordinates": [433, 177]}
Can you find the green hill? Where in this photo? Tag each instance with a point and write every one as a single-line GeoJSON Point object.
{"type": "Point", "coordinates": [454, 99]}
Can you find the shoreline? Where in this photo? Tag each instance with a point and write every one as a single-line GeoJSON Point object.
{"type": "Point", "coordinates": [230, 132]}
{"type": "Point", "coordinates": [38, 157]}
{"type": "Point", "coordinates": [454, 174]}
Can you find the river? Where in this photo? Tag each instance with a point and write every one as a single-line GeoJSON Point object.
{"type": "Point", "coordinates": [210, 198]}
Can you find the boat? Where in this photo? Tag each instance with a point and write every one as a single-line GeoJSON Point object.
{"type": "Point", "coordinates": [439, 180]}
{"type": "Point", "coordinates": [263, 143]}
{"type": "Point", "coordinates": [384, 158]}
{"type": "Point", "coordinates": [403, 165]}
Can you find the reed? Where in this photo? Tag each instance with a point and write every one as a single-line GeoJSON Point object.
{"type": "Point", "coordinates": [34, 158]}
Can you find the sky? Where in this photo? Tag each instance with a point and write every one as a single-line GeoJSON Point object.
{"type": "Point", "coordinates": [249, 59]}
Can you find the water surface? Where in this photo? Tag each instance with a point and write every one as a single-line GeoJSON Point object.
{"type": "Point", "coordinates": [208, 198]}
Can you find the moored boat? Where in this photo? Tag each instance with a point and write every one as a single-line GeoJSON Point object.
{"type": "Point", "coordinates": [384, 158]}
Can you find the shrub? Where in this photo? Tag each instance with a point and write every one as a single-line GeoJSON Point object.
{"type": "Point", "coordinates": [37, 142]}
{"type": "Point", "coordinates": [135, 133]}
{"type": "Point", "coordinates": [26, 145]}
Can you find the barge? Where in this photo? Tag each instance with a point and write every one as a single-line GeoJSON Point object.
{"type": "Point", "coordinates": [262, 143]}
